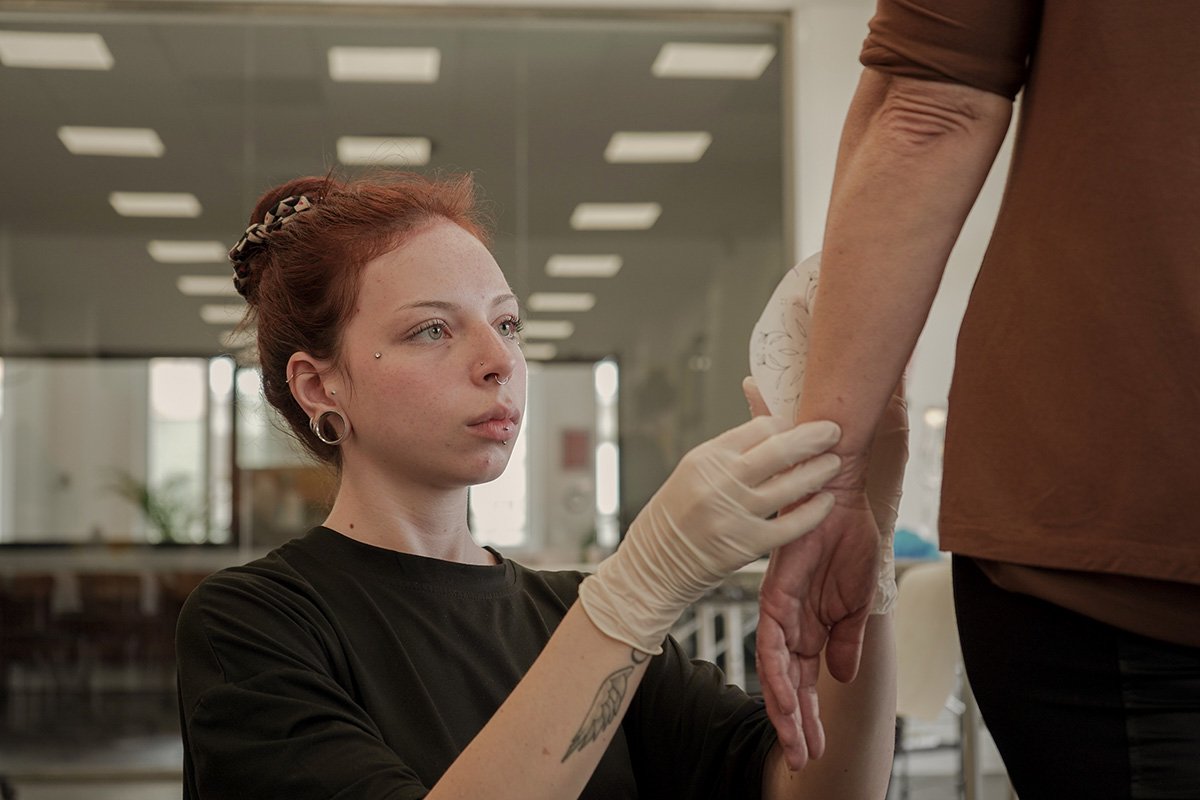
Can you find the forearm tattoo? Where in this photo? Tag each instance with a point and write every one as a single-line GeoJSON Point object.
{"type": "Point", "coordinates": [606, 706]}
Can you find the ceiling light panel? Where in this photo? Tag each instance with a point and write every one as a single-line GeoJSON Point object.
{"type": "Point", "coordinates": [539, 351]}
{"type": "Point", "coordinates": [583, 266]}
{"type": "Point", "coordinates": [558, 302]}
{"type": "Point", "coordinates": [134, 142]}
{"type": "Point", "coordinates": [222, 314]}
{"type": "Point", "coordinates": [656, 147]}
{"type": "Point", "coordinates": [547, 329]}
{"type": "Point", "coordinates": [391, 150]}
{"type": "Point", "coordinates": [54, 50]}
{"type": "Point", "coordinates": [155, 204]}
{"type": "Point", "coordinates": [206, 286]}
{"type": "Point", "coordinates": [615, 216]}
{"type": "Point", "coordinates": [385, 64]}
{"type": "Point", "coordinates": [737, 61]}
{"type": "Point", "coordinates": [183, 252]}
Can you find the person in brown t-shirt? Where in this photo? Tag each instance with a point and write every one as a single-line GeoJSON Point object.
{"type": "Point", "coordinates": [1073, 439]}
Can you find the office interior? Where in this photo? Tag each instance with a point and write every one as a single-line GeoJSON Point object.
{"type": "Point", "coordinates": [648, 193]}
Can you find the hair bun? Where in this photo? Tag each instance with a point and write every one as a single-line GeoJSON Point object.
{"type": "Point", "coordinates": [257, 235]}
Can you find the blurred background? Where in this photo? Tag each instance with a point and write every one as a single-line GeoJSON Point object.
{"type": "Point", "coordinates": [653, 169]}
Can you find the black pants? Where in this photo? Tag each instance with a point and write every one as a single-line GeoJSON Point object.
{"type": "Point", "coordinates": [1078, 709]}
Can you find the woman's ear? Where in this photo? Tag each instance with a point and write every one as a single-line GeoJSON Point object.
{"type": "Point", "coordinates": [312, 383]}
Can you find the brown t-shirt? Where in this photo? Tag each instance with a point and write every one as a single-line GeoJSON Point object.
{"type": "Point", "coordinates": [1073, 439]}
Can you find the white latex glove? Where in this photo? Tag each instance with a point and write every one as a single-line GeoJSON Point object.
{"type": "Point", "coordinates": [778, 358]}
{"type": "Point", "coordinates": [708, 520]}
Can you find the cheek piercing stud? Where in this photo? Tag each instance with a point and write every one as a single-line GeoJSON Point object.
{"type": "Point", "coordinates": [377, 355]}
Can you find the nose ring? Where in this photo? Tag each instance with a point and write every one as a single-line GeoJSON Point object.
{"type": "Point", "coordinates": [502, 382]}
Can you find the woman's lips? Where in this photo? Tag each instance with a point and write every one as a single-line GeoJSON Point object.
{"type": "Point", "coordinates": [500, 430]}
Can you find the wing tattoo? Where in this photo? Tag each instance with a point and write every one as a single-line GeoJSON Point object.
{"type": "Point", "coordinates": [603, 711]}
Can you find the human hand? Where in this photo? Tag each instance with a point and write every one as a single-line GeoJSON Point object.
{"type": "Point", "coordinates": [709, 519]}
{"type": "Point", "coordinates": [819, 590]}
{"type": "Point", "coordinates": [795, 621]}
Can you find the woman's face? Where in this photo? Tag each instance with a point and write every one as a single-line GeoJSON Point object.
{"type": "Point", "coordinates": [442, 404]}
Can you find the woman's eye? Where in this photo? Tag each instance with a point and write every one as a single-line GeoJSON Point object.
{"type": "Point", "coordinates": [434, 331]}
{"type": "Point", "coordinates": [510, 327]}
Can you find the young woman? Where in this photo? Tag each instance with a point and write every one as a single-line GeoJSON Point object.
{"type": "Point", "coordinates": [385, 654]}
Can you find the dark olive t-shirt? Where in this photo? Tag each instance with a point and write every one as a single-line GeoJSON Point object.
{"type": "Point", "coordinates": [334, 669]}
{"type": "Point", "coordinates": [1073, 437]}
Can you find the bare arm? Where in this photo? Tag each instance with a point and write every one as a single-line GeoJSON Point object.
{"type": "Point", "coordinates": [556, 724]}
{"type": "Point", "coordinates": [913, 157]}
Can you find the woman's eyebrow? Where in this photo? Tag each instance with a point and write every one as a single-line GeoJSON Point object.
{"type": "Point", "coordinates": [445, 305]}
{"type": "Point", "coordinates": [441, 305]}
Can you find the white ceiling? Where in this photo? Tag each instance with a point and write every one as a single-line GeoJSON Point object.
{"type": "Point", "coordinates": [241, 99]}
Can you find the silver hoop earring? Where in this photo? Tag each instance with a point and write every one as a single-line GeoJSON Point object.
{"type": "Point", "coordinates": [314, 424]}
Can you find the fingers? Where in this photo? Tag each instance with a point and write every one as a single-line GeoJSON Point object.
{"type": "Point", "coordinates": [779, 692]}
{"type": "Point", "coordinates": [758, 406]}
{"type": "Point", "coordinates": [808, 703]}
{"type": "Point", "coordinates": [843, 652]}
{"type": "Point", "coordinates": [776, 453]}
{"type": "Point", "coordinates": [794, 485]}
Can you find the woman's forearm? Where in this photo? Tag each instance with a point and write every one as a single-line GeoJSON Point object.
{"type": "Point", "coordinates": [545, 741]}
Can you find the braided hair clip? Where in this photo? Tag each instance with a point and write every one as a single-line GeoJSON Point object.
{"type": "Point", "coordinates": [256, 236]}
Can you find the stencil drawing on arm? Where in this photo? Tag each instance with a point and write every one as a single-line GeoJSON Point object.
{"type": "Point", "coordinates": [779, 343]}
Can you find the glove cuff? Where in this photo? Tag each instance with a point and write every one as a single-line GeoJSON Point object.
{"type": "Point", "coordinates": [885, 588]}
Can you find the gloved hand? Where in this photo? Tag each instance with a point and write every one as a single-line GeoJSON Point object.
{"type": "Point", "coordinates": [778, 357]}
{"type": "Point", "coordinates": [708, 520]}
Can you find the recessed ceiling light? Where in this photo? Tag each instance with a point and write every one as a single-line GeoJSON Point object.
{"type": "Point", "coordinates": [615, 216]}
{"type": "Point", "coordinates": [394, 150]}
{"type": "Point", "coordinates": [181, 252]}
{"type": "Point", "coordinates": [206, 285]}
{"type": "Point", "coordinates": [684, 60]}
{"type": "Point", "coordinates": [649, 148]}
{"type": "Point", "coordinates": [555, 302]}
{"type": "Point", "coordinates": [222, 314]}
{"type": "Point", "coordinates": [136, 142]}
{"type": "Point", "coordinates": [583, 266]}
{"type": "Point", "coordinates": [385, 64]}
{"type": "Point", "coordinates": [54, 50]}
{"type": "Point", "coordinates": [547, 329]}
{"type": "Point", "coordinates": [539, 351]}
{"type": "Point", "coordinates": [155, 204]}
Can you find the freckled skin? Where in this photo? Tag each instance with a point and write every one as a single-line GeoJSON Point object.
{"type": "Point", "coordinates": [411, 407]}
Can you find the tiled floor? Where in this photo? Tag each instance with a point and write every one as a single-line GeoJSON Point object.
{"type": "Point", "coordinates": [126, 746]}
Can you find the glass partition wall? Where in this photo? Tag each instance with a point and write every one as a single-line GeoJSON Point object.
{"type": "Point", "coordinates": [633, 163]}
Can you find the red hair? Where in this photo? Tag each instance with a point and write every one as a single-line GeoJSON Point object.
{"type": "Point", "coordinates": [302, 286]}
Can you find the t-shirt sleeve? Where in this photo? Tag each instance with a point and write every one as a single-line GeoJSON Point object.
{"type": "Point", "coordinates": [261, 711]}
{"type": "Point", "coordinates": [693, 736]}
{"type": "Point", "coordinates": [985, 44]}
